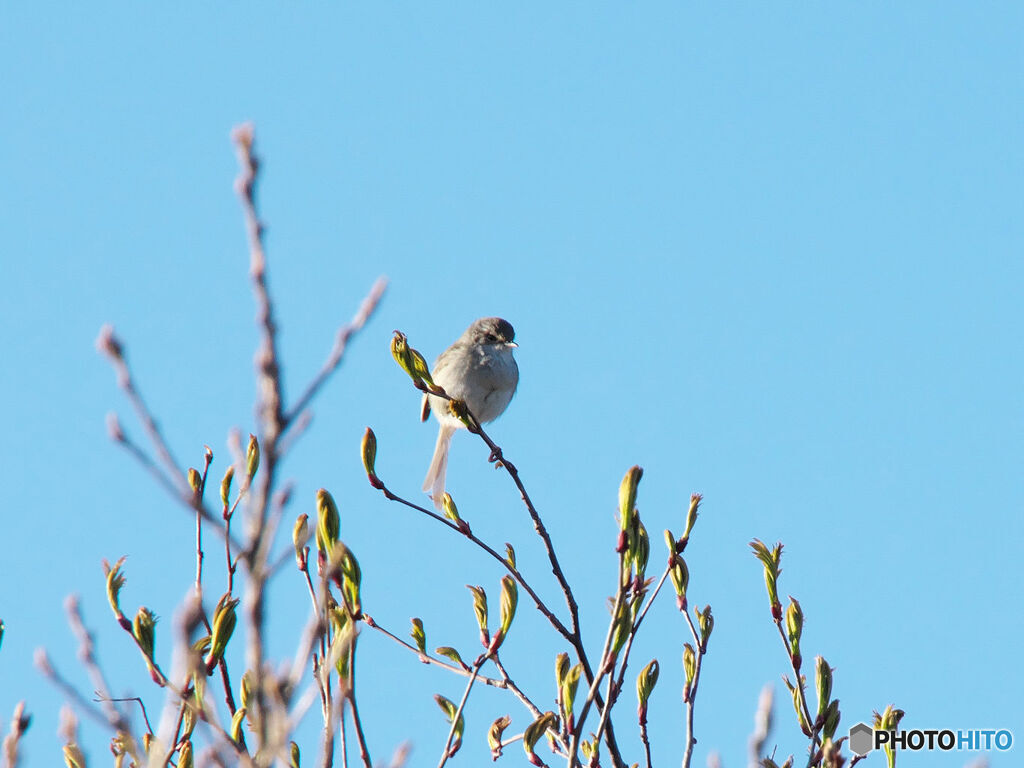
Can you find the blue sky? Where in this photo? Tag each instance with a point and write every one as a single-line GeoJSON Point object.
{"type": "Point", "coordinates": [770, 253]}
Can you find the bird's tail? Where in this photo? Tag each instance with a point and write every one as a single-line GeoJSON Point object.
{"type": "Point", "coordinates": [434, 482]}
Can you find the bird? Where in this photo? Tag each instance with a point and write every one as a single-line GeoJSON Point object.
{"type": "Point", "coordinates": [478, 368]}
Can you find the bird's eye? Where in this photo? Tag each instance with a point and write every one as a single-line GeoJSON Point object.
{"type": "Point", "coordinates": [491, 337]}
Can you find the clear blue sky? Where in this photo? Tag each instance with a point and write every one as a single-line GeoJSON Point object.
{"type": "Point", "coordinates": [770, 252]}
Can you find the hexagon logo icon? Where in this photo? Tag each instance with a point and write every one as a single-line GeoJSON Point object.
{"type": "Point", "coordinates": [861, 739]}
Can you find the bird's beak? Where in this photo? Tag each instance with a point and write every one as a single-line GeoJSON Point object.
{"type": "Point", "coordinates": [511, 344]}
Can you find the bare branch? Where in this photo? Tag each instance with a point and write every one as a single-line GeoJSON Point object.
{"type": "Point", "coordinates": [19, 724]}
{"type": "Point", "coordinates": [762, 726]}
{"type": "Point", "coordinates": [345, 333]}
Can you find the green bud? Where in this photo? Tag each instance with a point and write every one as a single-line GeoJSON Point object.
{"type": "Point", "coordinates": [400, 351]}
{"type": "Point", "coordinates": [794, 629]}
{"type": "Point", "coordinates": [188, 718]}
{"type": "Point", "coordinates": [236, 724]}
{"type": "Point", "coordinates": [344, 563]}
{"type": "Point", "coordinates": [225, 486]}
{"type": "Point", "coordinates": [245, 688]}
{"type": "Point", "coordinates": [480, 609]}
{"type": "Point", "coordinates": [73, 756]}
{"type": "Point", "coordinates": [670, 542]}
{"type": "Point", "coordinates": [300, 538]}
{"type": "Point", "coordinates": [195, 480]}
{"type": "Point", "coordinates": [421, 369]}
{"type": "Point", "coordinates": [831, 722]}
{"type": "Point", "coordinates": [450, 653]}
{"type": "Point", "coordinates": [185, 754]}
{"type": "Point", "coordinates": [450, 711]}
{"type": "Point", "coordinates": [888, 720]}
{"type": "Point", "coordinates": [691, 514]}
{"type": "Point", "coordinates": [561, 668]}
{"type": "Point", "coordinates": [494, 735]}
{"type": "Point", "coordinates": [642, 552]}
{"type": "Point", "coordinates": [341, 646]}
{"type": "Point", "coordinates": [293, 758]}
{"type": "Point", "coordinates": [224, 620]}
{"type": "Point", "coordinates": [328, 522]}
{"type": "Point", "coordinates": [411, 361]}
{"type": "Point", "coordinates": [338, 617]}
{"type": "Point", "coordinates": [252, 457]}
{"type": "Point", "coordinates": [623, 624]}
{"type": "Point", "coordinates": [823, 682]}
{"type": "Point", "coordinates": [143, 629]}
{"type": "Point", "coordinates": [568, 691]}
{"type": "Point", "coordinates": [627, 494]}
{"type": "Point", "coordinates": [115, 580]}
{"type": "Point", "coordinates": [645, 683]}
{"type": "Point", "coordinates": [510, 555]}
{"type": "Point", "coordinates": [770, 558]}
{"type": "Point", "coordinates": [533, 733]}
{"type": "Point", "coordinates": [509, 601]}
{"type": "Point", "coordinates": [418, 635]}
{"type": "Point", "coordinates": [449, 508]}
{"type": "Point", "coordinates": [795, 692]}
{"type": "Point", "coordinates": [368, 449]}
{"type": "Point", "coordinates": [680, 575]}
{"type": "Point", "coordinates": [689, 663]}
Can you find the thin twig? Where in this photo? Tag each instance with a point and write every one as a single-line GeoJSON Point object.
{"type": "Point", "coordinates": [802, 695]}
{"type": "Point", "coordinates": [344, 735]}
{"type": "Point", "coordinates": [556, 569]}
{"type": "Point", "coordinates": [512, 570]}
{"type": "Point", "coordinates": [364, 753]}
{"type": "Point", "coordinates": [269, 416]}
{"type": "Point", "coordinates": [762, 727]}
{"type": "Point", "coordinates": [606, 710]}
{"type": "Point", "coordinates": [646, 742]}
{"type": "Point", "coordinates": [327, 756]}
{"type": "Point", "coordinates": [690, 699]}
{"type": "Point", "coordinates": [445, 753]}
{"type": "Point", "coordinates": [19, 724]}
{"type": "Point", "coordinates": [43, 664]}
{"type": "Point", "coordinates": [573, 636]}
{"type": "Point", "coordinates": [534, 710]}
{"type": "Point", "coordinates": [108, 344]}
{"type": "Point", "coordinates": [87, 655]}
{"type": "Point", "coordinates": [185, 497]}
{"type": "Point", "coordinates": [207, 459]}
{"type": "Point", "coordinates": [345, 333]}
{"type": "Point", "coordinates": [142, 705]}
{"type": "Point", "coordinates": [604, 668]}
{"type": "Point", "coordinates": [427, 659]}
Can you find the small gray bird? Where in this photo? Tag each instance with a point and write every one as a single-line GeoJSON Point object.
{"type": "Point", "coordinates": [480, 369]}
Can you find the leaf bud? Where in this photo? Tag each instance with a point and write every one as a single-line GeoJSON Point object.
{"type": "Point", "coordinates": [328, 522]}
{"type": "Point", "coordinates": [225, 486]}
{"type": "Point", "coordinates": [494, 735]}
{"type": "Point", "coordinates": [252, 457]}
{"type": "Point", "coordinates": [419, 636]}
{"type": "Point", "coordinates": [627, 494]}
{"type": "Point", "coordinates": [300, 538]}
